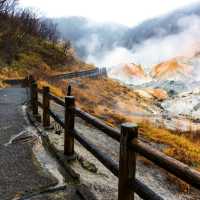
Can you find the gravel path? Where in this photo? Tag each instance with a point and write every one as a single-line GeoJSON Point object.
{"type": "Point", "coordinates": [20, 171]}
{"type": "Point", "coordinates": [27, 170]}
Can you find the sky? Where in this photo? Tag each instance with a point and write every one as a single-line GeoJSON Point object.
{"type": "Point", "coordinates": [127, 12]}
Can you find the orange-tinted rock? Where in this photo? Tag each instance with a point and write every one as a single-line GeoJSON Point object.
{"type": "Point", "coordinates": [143, 94]}
{"type": "Point", "coordinates": [150, 93]}
{"type": "Point", "coordinates": [171, 69]}
{"type": "Point", "coordinates": [129, 71]}
{"type": "Point", "coordinates": [134, 70]}
{"type": "Point", "coordinates": [158, 93]}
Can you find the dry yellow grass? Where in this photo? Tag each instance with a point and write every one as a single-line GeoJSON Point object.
{"type": "Point", "coordinates": [2, 85]}
{"type": "Point", "coordinates": [53, 89]}
{"type": "Point", "coordinates": [179, 146]}
{"type": "Point", "coordinates": [72, 68]}
{"type": "Point", "coordinates": [9, 73]}
{"type": "Point", "coordinates": [6, 73]}
{"type": "Point", "coordinates": [41, 71]}
{"type": "Point", "coordinates": [114, 103]}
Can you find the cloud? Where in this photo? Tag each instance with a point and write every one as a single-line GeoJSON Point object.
{"type": "Point", "coordinates": [126, 12]}
{"type": "Point", "coordinates": [112, 58]}
{"type": "Point", "coordinates": [186, 43]}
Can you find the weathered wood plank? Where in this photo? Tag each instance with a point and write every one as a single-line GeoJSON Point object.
{"type": "Point", "coordinates": [143, 191]}
{"type": "Point", "coordinates": [46, 106]}
{"type": "Point", "coordinates": [35, 99]}
{"type": "Point", "coordinates": [172, 165]}
{"type": "Point", "coordinates": [111, 132]}
{"type": "Point", "coordinates": [127, 161]}
{"type": "Point", "coordinates": [40, 104]}
{"type": "Point", "coordinates": [69, 126]}
{"type": "Point", "coordinates": [56, 118]}
{"type": "Point", "coordinates": [56, 100]}
{"type": "Point", "coordinates": [40, 91]}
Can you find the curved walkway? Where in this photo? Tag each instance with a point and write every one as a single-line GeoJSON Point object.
{"type": "Point", "coordinates": [27, 171]}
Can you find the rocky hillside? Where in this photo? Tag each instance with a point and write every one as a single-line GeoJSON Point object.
{"type": "Point", "coordinates": [175, 83]}
{"type": "Point", "coordinates": [179, 69]}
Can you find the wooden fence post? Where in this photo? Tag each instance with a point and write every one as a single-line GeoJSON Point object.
{"type": "Point", "coordinates": [26, 82]}
{"type": "Point", "coordinates": [34, 99]}
{"type": "Point", "coordinates": [46, 105]}
{"type": "Point", "coordinates": [31, 84]}
{"type": "Point", "coordinates": [127, 161]}
{"type": "Point", "coordinates": [30, 80]}
{"type": "Point", "coordinates": [69, 90]}
{"type": "Point", "coordinates": [69, 126]}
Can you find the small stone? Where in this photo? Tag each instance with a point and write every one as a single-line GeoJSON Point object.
{"type": "Point", "coordinates": [89, 166]}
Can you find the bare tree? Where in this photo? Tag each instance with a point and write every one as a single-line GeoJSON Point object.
{"type": "Point", "coordinates": [48, 30]}
{"type": "Point", "coordinates": [67, 46]}
{"type": "Point", "coordinates": [2, 4]}
{"type": "Point", "coordinates": [18, 27]}
{"type": "Point", "coordinates": [7, 5]}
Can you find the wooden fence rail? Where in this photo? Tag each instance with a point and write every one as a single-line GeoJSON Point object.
{"type": "Point", "coordinates": [130, 146]}
{"type": "Point", "coordinates": [97, 72]}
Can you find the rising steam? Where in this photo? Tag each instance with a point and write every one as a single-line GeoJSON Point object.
{"type": "Point", "coordinates": [153, 50]}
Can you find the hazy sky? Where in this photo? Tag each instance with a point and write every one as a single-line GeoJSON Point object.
{"type": "Point", "coordinates": [128, 12]}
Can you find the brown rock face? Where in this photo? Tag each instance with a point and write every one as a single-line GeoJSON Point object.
{"type": "Point", "coordinates": [133, 70]}
{"type": "Point", "coordinates": [129, 70]}
{"type": "Point", "coordinates": [171, 69]}
{"type": "Point", "coordinates": [157, 93]}
{"type": "Point", "coordinates": [151, 93]}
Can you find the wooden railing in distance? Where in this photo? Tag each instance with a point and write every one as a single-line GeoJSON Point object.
{"type": "Point", "coordinates": [88, 73]}
{"type": "Point", "coordinates": [130, 146]}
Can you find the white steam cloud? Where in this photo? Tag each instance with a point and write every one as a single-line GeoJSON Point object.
{"type": "Point", "coordinates": [153, 50]}
{"type": "Point", "coordinates": [112, 58]}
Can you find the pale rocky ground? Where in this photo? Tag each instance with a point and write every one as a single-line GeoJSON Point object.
{"type": "Point", "coordinates": [174, 84]}
{"type": "Point", "coordinates": [187, 103]}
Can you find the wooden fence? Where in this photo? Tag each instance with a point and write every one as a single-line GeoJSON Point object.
{"type": "Point", "coordinates": [93, 73]}
{"type": "Point", "coordinates": [130, 146]}
{"type": "Point", "coordinates": [97, 72]}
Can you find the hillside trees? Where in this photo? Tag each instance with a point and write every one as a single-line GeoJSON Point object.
{"type": "Point", "coordinates": [67, 46]}
{"type": "Point", "coordinates": [7, 6]}
{"type": "Point", "coordinates": [19, 29]}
